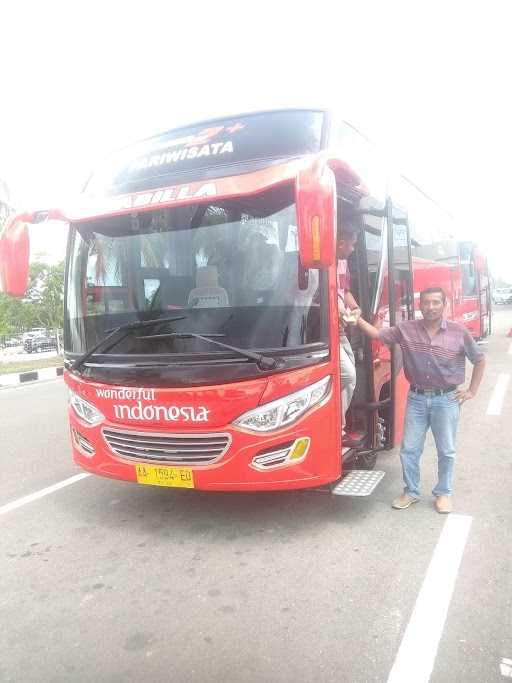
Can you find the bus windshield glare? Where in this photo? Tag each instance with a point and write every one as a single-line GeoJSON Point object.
{"type": "Point", "coordinates": [229, 269]}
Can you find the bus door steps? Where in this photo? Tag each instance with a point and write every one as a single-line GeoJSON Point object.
{"type": "Point", "coordinates": [358, 483]}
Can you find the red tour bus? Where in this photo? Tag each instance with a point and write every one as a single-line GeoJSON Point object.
{"type": "Point", "coordinates": [468, 285]}
{"type": "Point", "coordinates": [466, 281]}
{"type": "Point", "coordinates": [201, 320]}
{"type": "Point", "coordinates": [476, 290]}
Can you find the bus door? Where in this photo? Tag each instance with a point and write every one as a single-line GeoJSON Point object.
{"type": "Point", "coordinates": [386, 298]}
{"type": "Point", "coordinates": [368, 267]}
{"type": "Point", "coordinates": [401, 307]}
{"type": "Point", "coordinates": [359, 419]}
{"type": "Point", "coordinates": [484, 294]}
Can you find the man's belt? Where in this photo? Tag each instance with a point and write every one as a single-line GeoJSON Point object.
{"type": "Point", "coordinates": [435, 392]}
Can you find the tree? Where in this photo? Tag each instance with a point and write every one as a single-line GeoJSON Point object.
{"type": "Point", "coordinates": [43, 305]}
{"type": "Point", "coordinates": [13, 315]}
{"type": "Point", "coordinates": [45, 296]}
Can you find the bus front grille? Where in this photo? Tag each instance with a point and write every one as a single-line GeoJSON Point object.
{"type": "Point", "coordinates": [172, 449]}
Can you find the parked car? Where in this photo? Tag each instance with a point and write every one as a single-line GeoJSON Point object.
{"type": "Point", "coordinates": [502, 295]}
{"type": "Point", "coordinates": [34, 332]}
{"type": "Point", "coordinates": [39, 343]}
{"type": "Point", "coordinates": [11, 343]}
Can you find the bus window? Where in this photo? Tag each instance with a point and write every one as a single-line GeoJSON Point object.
{"type": "Point", "coordinates": [376, 255]}
{"type": "Point", "coordinates": [467, 269]}
{"type": "Point", "coordinates": [106, 276]}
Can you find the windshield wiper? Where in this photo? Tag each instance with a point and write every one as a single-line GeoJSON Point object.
{"type": "Point", "coordinates": [126, 329]}
{"type": "Point", "coordinates": [263, 362]}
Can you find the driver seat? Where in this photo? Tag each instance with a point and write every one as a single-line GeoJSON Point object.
{"type": "Point", "coordinates": [207, 293]}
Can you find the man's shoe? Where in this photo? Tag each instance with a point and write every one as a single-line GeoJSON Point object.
{"type": "Point", "coordinates": [403, 501]}
{"type": "Point", "coordinates": [351, 439]}
{"type": "Point", "coordinates": [443, 504]}
{"type": "Point", "coordinates": [349, 442]}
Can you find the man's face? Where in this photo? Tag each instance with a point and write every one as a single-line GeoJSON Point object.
{"type": "Point", "coordinates": [346, 246]}
{"type": "Point", "coordinates": [432, 306]}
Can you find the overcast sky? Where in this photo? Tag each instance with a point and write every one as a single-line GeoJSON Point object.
{"type": "Point", "coordinates": [428, 81]}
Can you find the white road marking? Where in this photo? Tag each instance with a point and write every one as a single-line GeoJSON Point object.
{"type": "Point", "coordinates": [506, 667]}
{"type": "Point", "coordinates": [43, 492]}
{"type": "Point", "coordinates": [417, 652]}
{"type": "Point", "coordinates": [494, 407]}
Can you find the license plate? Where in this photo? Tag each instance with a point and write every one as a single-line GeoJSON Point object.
{"type": "Point", "coordinates": [161, 475]}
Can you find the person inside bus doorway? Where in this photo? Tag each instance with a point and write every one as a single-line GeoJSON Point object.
{"type": "Point", "coordinates": [349, 313]}
{"type": "Point", "coordinates": [434, 353]}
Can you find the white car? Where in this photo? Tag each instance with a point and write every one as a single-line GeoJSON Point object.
{"type": "Point", "coordinates": [35, 332]}
{"type": "Point", "coordinates": [503, 295]}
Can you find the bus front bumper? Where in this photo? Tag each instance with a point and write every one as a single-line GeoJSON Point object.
{"type": "Point", "coordinates": [302, 456]}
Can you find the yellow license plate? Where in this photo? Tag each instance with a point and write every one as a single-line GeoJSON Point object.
{"type": "Point", "coordinates": [161, 475]}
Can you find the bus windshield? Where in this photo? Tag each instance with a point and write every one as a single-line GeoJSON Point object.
{"type": "Point", "coordinates": [229, 269]}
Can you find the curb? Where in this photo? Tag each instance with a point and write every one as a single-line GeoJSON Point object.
{"type": "Point", "coordinates": [31, 376]}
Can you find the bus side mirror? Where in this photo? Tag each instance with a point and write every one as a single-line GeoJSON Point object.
{"type": "Point", "coordinates": [315, 196]}
{"type": "Point", "coordinates": [14, 255]}
{"type": "Point", "coordinates": [15, 249]}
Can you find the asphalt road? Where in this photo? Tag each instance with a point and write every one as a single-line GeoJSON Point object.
{"type": "Point", "coordinates": [109, 581]}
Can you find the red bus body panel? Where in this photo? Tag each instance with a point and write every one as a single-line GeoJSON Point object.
{"type": "Point", "coordinates": [477, 308]}
{"type": "Point", "coordinates": [434, 274]}
{"type": "Point", "coordinates": [472, 316]}
{"type": "Point", "coordinates": [223, 403]}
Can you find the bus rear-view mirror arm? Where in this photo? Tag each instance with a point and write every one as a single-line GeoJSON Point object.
{"type": "Point", "coordinates": [381, 213]}
{"type": "Point", "coordinates": [15, 249]}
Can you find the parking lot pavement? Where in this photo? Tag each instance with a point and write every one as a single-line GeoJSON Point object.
{"type": "Point", "coordinates": [108, 581]}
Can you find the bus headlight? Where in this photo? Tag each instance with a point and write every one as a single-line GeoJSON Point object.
{"type": "Point", "coordinates": [285, 410]}
{"type": "Point", "coordinates": [85, 410]}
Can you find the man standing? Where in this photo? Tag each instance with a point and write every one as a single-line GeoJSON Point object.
{"type": "Point", "coordinates": [434, 352]}
{"type": "Point", "coordinates": [349, 313]}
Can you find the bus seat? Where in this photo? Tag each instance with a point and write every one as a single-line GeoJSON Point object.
{"type": "Point", "coordinates": [173, 292]}
{"type": "Point", "coordinates": [263, 265]}
{"type": "Point", "coordinates": [207, 293]}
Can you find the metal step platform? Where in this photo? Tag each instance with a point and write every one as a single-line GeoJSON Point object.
{"type": "Point", "coordinates": [358, 483]}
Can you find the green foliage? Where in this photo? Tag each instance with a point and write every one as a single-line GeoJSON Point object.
{"type": "Point", "coordinates": [13, 315]}
{"type": "Point", "coordinates": [43, 305]}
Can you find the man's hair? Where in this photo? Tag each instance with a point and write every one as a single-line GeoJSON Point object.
{"type": "Point", "coordinates": [347, 231]}
{"type": "Point", "coordinates": [348, 221]}
{"type": "Point", "coordinates": [433, 290]}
